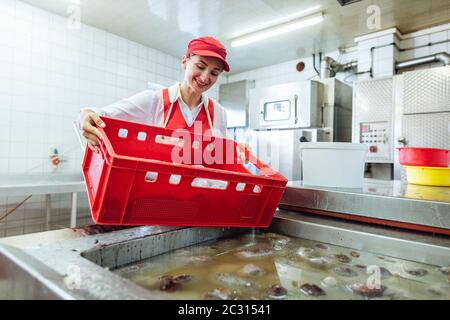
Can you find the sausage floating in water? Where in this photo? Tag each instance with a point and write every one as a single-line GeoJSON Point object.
{"type": "Point", "coordinates": [342, 258]}
{"type": "Point", "coordinates": [166, 283]}
{"type": "Point", "coordinates": [276, 291]}
{"type": "Point", "coordinates": [171, 283]}
{"type": "Point", "coordinates": [183, 278]}
{"type": "Point", "coordinates": [416, 272]}
{"type": "Point", "coordinates": [321, 246]}
{"type": "Point", "coordinates": [312, 290]}
{"type": "Point", "coordinates": [365, 291]}
{"type": "Point", "coordinates": [221, 272]}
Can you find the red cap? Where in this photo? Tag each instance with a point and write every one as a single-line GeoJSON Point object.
{"type": "Point", "coordinates": [208, 47]}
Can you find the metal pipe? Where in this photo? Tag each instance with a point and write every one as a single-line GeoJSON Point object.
{"type": "Point", "coordinates": [443, 57]}
{"type": "Point", "coordinates": [329, 67]}
{"type": "Point", "coordinates": [325, 68]}
{"type": "Point", "coordinates": [350, 66]}
{"type": "Point", "coordinates": [314, 64]}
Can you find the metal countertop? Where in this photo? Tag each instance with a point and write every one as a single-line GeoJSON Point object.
{"type": "Point", "coordinates": [384, 200]}
{"type": "Point", "coordinates": [18, 185]}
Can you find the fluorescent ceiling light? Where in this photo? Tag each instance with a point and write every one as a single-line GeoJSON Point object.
{"type": "Point", "coordinates": [280, 21]}
{"type": "Point", "coordinates": [277, 30]}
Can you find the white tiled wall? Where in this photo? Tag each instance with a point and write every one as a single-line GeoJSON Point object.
{"type": "Point", "coordinates": [48, 72]}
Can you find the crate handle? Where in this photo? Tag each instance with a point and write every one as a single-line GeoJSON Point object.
{"type": "Point", "coordinates": [240, 186]}
{"type": "Point", "coordinates": [102, 148]}
{"type": "Point", "coordinates": [151, 176]}
{"type": "Point", "coordinates": [175, 179]}
{"type": "Point", "coordinates": [123, 133]}
{"type": "Point", "coordinates": [174, 141]}
{"type": "Point", "coordinates": [209, 183]}
{"type": "Point", "coordinates": [257, 189]}
{"type": "Point", "coordinates": [142, 136]}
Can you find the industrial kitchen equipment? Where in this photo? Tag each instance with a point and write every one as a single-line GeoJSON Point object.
{"type": "Point", "coordinates": [411, 109]}
{"type": "Point", "coordinates": [283, 116]}
{"type": "Point", "coordinates": [234, 97]}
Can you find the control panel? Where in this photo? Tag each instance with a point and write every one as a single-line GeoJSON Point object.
{"type": "Point", "coordinates": [376, 136]}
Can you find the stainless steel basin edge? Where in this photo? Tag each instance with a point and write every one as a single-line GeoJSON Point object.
{"type": "Point", "coordinates": [60, 265]}
{"type": "Point", "coordinates": [23, 277]}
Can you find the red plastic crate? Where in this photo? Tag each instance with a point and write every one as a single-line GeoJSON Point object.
{"type": "Point", "coordinates": [133, 180]}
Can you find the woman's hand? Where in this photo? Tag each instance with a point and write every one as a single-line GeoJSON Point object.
{"type": "Point", "coordinates": [90, 120]}
{"type": "Point", "coordinates": [241, 155]}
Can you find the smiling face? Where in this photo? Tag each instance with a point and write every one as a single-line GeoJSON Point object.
{"type": "Point", "coordinates": [201, 72]}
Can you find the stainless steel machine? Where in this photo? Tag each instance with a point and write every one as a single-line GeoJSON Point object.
{"type": "Point", "coordinates": [284, 116]}
{"type": "Point", "coordinates": [234, 97]}
{"type": "Point", "coordinates": [411, 109]}
{"type": "Point", "coordinates": [286, 106]}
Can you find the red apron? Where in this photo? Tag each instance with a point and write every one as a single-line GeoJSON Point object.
{"type": "Point", "coordinates": [173, 117]}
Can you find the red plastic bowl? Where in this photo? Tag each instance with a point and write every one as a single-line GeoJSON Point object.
{"type": "Point", "coordinates": [424, 157]}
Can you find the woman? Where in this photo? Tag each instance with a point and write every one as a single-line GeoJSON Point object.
{"type": "Point", "coordinates": [177, 107]}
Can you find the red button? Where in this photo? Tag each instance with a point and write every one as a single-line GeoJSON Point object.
{"type": "Point", "coordinates": [373, 149]}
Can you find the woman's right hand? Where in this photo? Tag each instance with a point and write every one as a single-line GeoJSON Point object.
{"type": "Point", "coordinates": [90, 119]}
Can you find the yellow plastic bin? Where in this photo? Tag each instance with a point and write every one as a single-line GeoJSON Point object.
{"type": "Point", "coordinates": [428, 176]}
{"type": "Point", "coordinates": [430, 193]}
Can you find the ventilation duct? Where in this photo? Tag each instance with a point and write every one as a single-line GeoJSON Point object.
{"type": "Point", "coordinates": [443, 57]}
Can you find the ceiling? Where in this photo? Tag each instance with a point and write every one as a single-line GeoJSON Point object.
{"type": "Point", "coordinates": [168, 25]}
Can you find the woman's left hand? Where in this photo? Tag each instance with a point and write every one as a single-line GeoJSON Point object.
{"type": "Point", "coordinates": [240, 154]}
